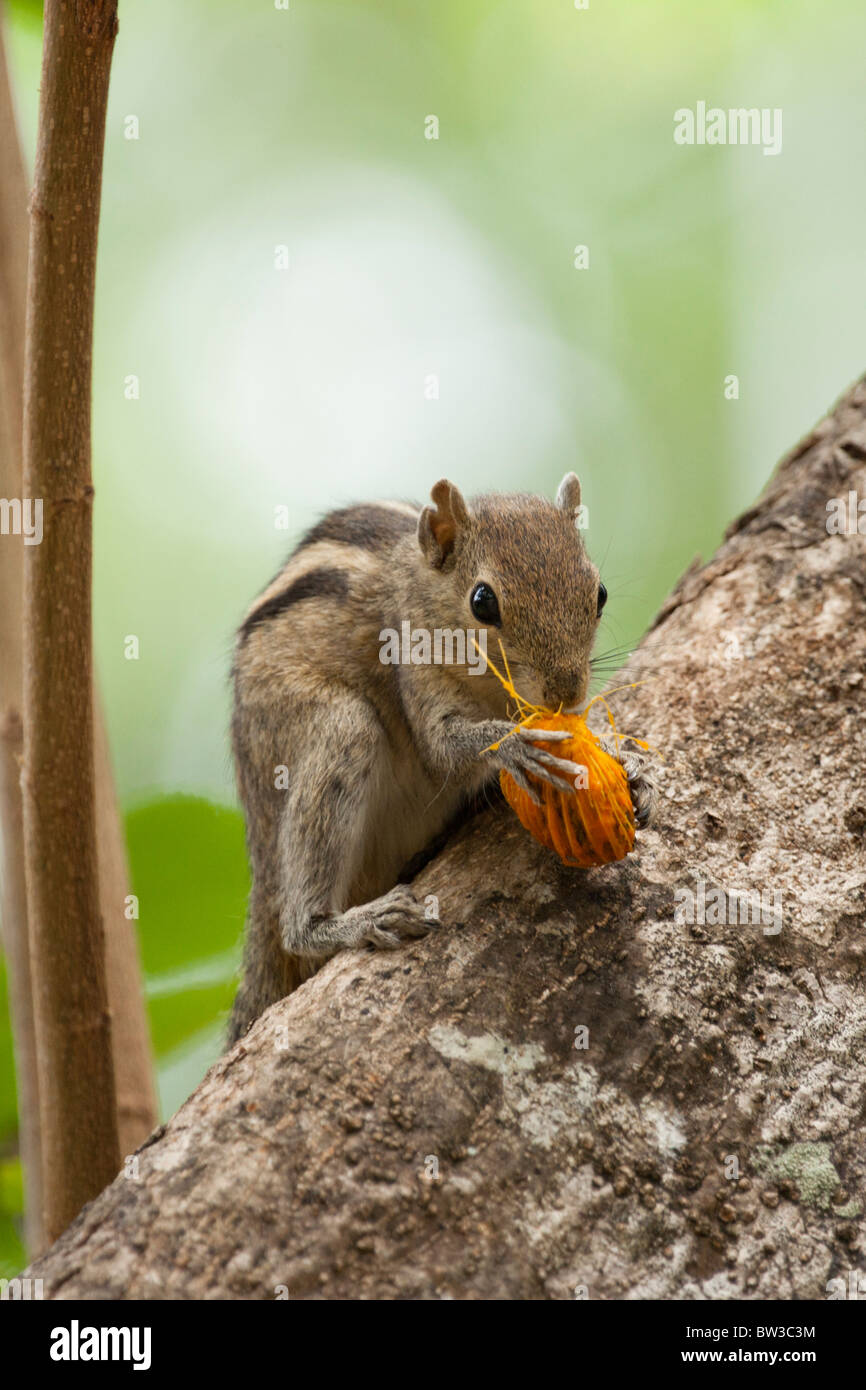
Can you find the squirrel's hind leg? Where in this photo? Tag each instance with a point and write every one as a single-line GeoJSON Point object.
{"type": "Point", "coordinates": [325, 830]}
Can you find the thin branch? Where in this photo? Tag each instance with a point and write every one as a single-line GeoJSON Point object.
{"type": "Point", "coordinates": [80, 1150]}
{"type": "Point", "coordinates": [133, 1067]}
{"type": "Point", "coordinates": [13, 284]}
{"type": "Point", "coordinates": [130, 1035]}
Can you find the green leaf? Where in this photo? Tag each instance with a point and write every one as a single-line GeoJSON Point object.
{"type": "Point", "coordinates": [188, 869]}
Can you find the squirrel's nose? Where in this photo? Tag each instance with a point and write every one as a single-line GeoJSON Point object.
{"type": "Point", "coordinates": [566, 688]}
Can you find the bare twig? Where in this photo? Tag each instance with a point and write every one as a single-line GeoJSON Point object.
{"type": "Point", "coordinates": [130, 1036]}
{"type": "Point", "coordinates": [13, 284]}
{"type": "Point", "coordinates": [80, 1149]}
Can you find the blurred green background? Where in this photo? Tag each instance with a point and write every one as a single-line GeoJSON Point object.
{"type": "Point", "coordinates": [411, 258]}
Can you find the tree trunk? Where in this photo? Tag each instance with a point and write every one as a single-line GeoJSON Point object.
{"type": "Point", "coordinates": [80, 1150]}
{"type": "Point", "coordinates": [435, 1123]}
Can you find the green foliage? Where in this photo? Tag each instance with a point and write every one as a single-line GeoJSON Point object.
{"type": "Point", "coordinates": [11, 1203]}
{"type": "Point", "coordinates": [189, 872]}
{"type": "Point", "coordinates": [8, 1099]}
{"type": "Point", "coordinates": [188, 869]}
{"type": "Point", "coordinates": [12, 1254]}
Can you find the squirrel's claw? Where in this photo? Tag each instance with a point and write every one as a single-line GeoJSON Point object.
{"type": "Point", "coordinates": [641, 782]}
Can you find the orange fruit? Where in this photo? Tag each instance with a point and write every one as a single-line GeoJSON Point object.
{"type": "Point", "coordinates": [592, 825]}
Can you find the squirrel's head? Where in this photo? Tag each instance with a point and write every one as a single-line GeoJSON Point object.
{"type": "Point", "coordinates": [515, 566]}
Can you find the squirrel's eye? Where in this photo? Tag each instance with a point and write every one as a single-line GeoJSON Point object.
{"type": "Point", "coordinates": [602, 599]}
{"type": "Point", "coordinates": [485, 605]}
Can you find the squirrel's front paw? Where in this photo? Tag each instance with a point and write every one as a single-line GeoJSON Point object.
{"type": "Point", "coordinates": [641, 782]}
{"type": "Point", "coordinates": [387, 921]}
{"type": "Point", "coordinates": [520, 758]}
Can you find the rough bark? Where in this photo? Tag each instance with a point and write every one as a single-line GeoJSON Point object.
{"type": "Point", "coordinates": [423, 1125]}
{"type": "Point", "coordinates": [80, 1150]}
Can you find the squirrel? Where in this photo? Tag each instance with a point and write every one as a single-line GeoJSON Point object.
{"type": "Point", "coordinates": [347, 766]}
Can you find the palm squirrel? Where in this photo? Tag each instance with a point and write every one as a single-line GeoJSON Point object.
{"type": "Point", "coordinates": [348, 764]}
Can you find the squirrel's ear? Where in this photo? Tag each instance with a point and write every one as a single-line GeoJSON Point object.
{"type": "Point", "coordinates": [438, 525]}
{"type": "Point", "coordinates": [568, 494]}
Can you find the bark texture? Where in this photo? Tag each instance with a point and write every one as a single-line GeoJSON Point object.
{"type": "Point", "coordinates": [423, 1125]}
{"type": "Point", "coordinates": [80, 1150]}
